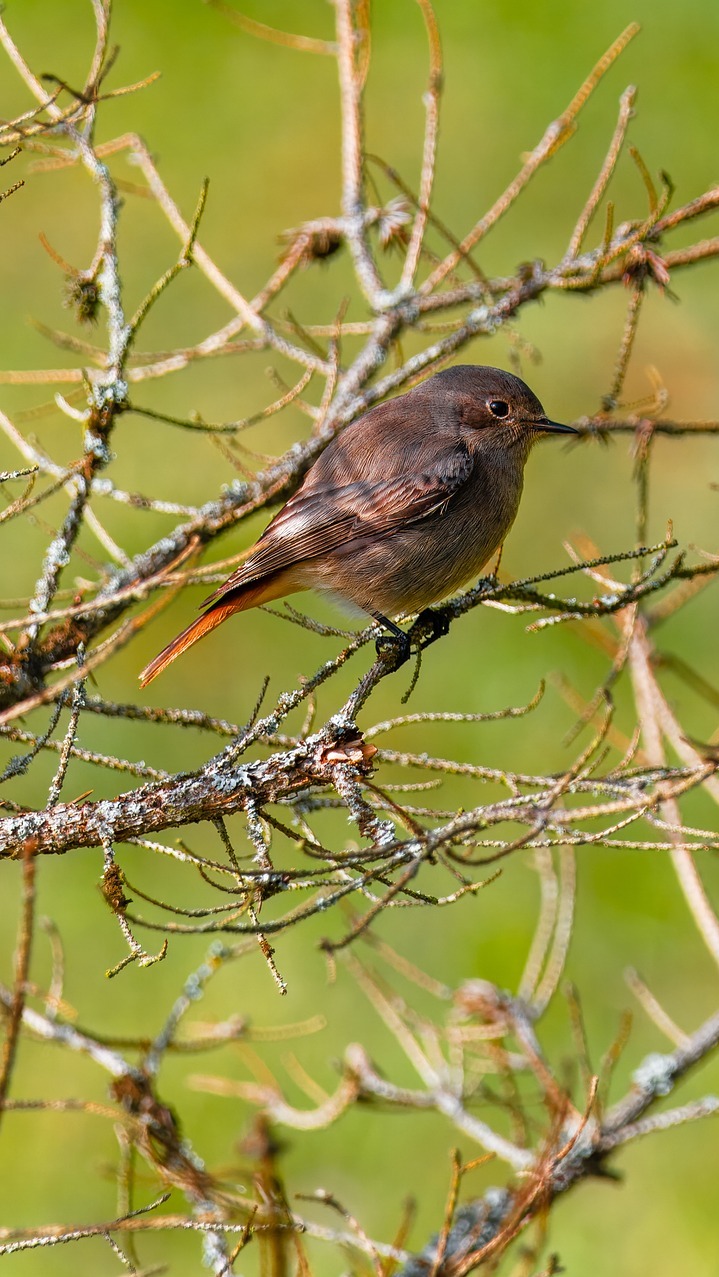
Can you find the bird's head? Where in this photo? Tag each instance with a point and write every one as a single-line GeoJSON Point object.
{"type": "Point", "coordinates": [494, 407]}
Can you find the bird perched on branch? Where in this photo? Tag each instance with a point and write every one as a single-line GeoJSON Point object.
{"type": "Point", "coordinates": [402, 507]}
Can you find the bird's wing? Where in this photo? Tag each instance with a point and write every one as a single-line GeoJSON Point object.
{"type": "Point", "coordinates": [321, 518]}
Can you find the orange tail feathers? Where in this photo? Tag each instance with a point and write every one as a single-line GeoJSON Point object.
{"type": "Point", "coordinates": [261, 591]}
{"type": "Point", "coordinates": [182, 641]}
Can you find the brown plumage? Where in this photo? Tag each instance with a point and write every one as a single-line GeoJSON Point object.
{"type": "Point", "coordinates": [402, 508]}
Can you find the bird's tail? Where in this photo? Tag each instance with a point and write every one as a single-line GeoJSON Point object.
{"type": "Point", "coordinates": [182, 641]}
{"type": "Point", "coordinates": [238, 600]}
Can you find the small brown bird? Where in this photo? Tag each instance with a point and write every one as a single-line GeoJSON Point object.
{"type": "Point", "coordinates": [401, 508]}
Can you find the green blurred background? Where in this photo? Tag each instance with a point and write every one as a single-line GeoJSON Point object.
{"type": "Point", "coordinates": [262, 123]}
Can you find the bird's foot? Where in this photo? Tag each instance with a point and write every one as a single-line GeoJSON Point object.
{"type": "Point", "coordinates": [397, 641]}
{"type": "Point", "coordinates": [487, 583]}
{"type": "Point", "coordinates": [436, 621]}
{"type": "Point", "coordinates": [393, 643]}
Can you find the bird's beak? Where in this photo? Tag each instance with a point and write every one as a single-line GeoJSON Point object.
{"type": "Point", "coordinates": [554, 427]}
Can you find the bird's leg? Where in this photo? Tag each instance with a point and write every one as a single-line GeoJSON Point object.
{"type": "Point", "coordinates": [396, 638]}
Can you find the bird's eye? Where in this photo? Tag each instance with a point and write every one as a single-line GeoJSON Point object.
{"type": "Point", "coordinates": [498, 407]}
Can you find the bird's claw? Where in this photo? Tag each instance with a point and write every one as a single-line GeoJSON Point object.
{"type": "Point", "coordinates": [399, 644]}
{"type": "Point", "coordinates": [438, 623]}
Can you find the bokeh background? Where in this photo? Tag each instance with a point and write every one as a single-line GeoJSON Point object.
{"type": "Point", "coordinates": [262, 123]}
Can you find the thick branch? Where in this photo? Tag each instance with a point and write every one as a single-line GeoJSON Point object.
{"type": "Point", "coordinates": [218, 789]}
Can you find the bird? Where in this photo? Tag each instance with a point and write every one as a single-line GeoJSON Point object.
{"type": "Point", "coordinates": [402, 507]}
